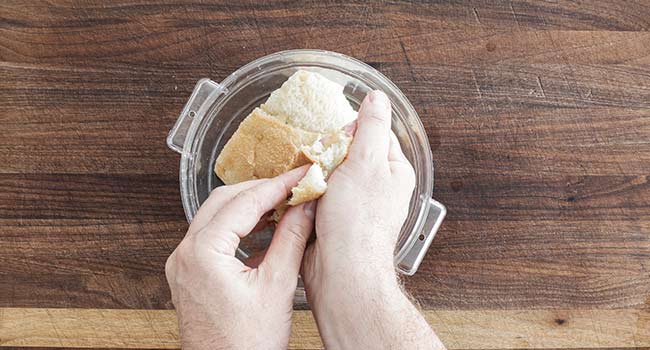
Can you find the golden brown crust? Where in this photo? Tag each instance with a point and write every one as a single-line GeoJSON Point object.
{"type": "Point", "coordinates": [262, 147]}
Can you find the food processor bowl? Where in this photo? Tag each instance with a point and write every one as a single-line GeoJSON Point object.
{"type": "Point", "coordinates": [215, 110]}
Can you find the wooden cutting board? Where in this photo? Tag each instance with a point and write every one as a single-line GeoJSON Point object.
{"type": "Point", "coordinates": [538, 114]}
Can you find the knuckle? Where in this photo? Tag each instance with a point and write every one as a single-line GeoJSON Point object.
{"type": "Point", "coordinates": [183, 250]}
{"type": "Point", "coordinates": [282, 187]}
{"type": "Point", "coordinates": [297, 231]}
{"type": "Point", "coordinates": [366, 161]}
{"type": "Point", "coordinates": [225, 243]}
{"type": "Point", "coordinates": [282, 277]}
{"type": "Point", "coordinates": [182, 256]}
{"type": "Point", "coordinates": [377, 116]}
{"type": "Point", "coordinates": [220, 191]}
{"type": "Point", "coordinates": [170, 266]}
{"type": "Point", "coordinates": [249, 199]}
{"type": "Point", "coordinates": [367, 155]}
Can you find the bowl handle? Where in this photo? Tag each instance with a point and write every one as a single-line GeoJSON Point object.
{"type": "Point", "coordinates": [413, 257]}
{"type": "Point", "coordinates": [205, 93]}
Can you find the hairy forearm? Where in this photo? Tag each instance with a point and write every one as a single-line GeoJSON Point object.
{"type": "Point", "coordinates": [378, 317]}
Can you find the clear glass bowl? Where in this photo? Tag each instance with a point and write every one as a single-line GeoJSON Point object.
{"type": "Point", "coordinates": [215, 110]}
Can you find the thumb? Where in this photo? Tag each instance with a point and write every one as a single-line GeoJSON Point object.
{"type": "Point", "coordinates": [284, 255]}
{"type": "Point", "coordinates": [372, 137]}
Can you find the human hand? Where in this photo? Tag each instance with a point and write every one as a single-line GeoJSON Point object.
{"type": "Point", "coordinates": [221, 302]}
{"type": "Point", "coordinates": [359, 218]}
{"type": "Point", "coordinates": [348, 270]}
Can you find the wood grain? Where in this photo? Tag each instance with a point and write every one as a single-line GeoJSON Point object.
{"type": "Point", "coordinates": [528, 119]}
{"type": "Point", "coordinates": [222, 32]}
{"type": "Point", "coordinates": [101, 241]}
{"type": "Point", "coordinates": [538, 115]}
{"type": "Point", "coordinates": [476, 329]}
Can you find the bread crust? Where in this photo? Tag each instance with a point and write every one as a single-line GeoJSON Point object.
{"type": "Point", "coordinates": [262, 147]}
{"type": "Point", "coordinates": [311, 187]}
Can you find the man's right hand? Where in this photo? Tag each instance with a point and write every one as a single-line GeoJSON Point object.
{"type": "Point", "coordinates": [348, 270]}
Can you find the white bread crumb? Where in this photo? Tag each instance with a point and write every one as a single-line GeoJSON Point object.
{"type": "Point", "coordinates": [311, 102]}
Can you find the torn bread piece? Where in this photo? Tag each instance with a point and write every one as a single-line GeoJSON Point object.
{"type": "Point", "coordinates": [326, 154]}
{"type": "Point", "coordinates": [329, 151]}
{"type": "Point", "coordinates": [300, 123]}
{"type": "Point", "coordinates": [310, 187]}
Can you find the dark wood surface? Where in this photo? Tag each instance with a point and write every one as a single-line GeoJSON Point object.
{"type": "Point", "coordinates": [538, 115]}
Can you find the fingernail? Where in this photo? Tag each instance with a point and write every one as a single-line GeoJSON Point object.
{"type": "Point", "coordinates": [377, 96]}
{"type": "Point", "coordinates": [310, 209]}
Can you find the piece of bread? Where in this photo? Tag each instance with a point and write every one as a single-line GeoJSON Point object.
{"type": "Point", "coordinates": [311, 102]}
{"type": "Point", "coordinates": [300, 123]}
{"type": "Point", "coordinates": [310, 187]}
{"type": "Point", "coordinates": [262, 147]}
{"type": "Point", "coordinates": [329, 151]}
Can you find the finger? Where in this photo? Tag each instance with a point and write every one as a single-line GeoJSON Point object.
{"type": "Point", "coordinates": [395, 153]}
{"type": "Point", "coordinates": [243, 212]}
{"type": "Point", "coordinates": [217, 199]}
{"type": "Point", "coordinates": [288, 244]}
{"type": "Point", "coordinates": [371, 140]}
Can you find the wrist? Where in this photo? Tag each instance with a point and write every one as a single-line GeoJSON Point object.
{"type": "Point", "coordinates": [354, 261]}
{"type": "Point", "coordinates": [351, 277]}
{"type": "Point", "coordinates": [352, 290]}
{"type": "Point", "coordinates": [345, 314]}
